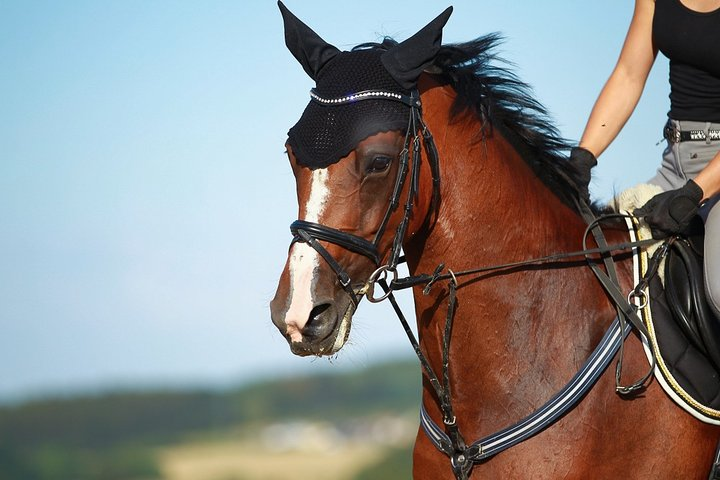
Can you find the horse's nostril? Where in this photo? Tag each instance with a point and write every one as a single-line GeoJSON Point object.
{"type": "Point", "coordinates": [321, 322]}
{"type": "Point", "coordinates": [317, 312]}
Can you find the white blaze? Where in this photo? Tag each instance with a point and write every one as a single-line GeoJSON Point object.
{"type": "Point", "coordinates": [304, 261]}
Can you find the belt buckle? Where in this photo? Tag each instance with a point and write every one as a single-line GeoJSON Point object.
{"type": "Point", "coordinates": [672, 134]}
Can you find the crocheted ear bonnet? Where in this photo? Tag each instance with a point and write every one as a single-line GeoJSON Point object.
{"type": "Point", "coordinates": [327, 132]}
{"type": "Point", "coordinates": [344, 106]}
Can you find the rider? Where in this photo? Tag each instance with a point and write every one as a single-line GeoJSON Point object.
{"type": "Point", "coordinates": [688, 33]}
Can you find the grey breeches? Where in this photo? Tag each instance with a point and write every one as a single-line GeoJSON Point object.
{"type": "Point", "coordinates": [681, 162]}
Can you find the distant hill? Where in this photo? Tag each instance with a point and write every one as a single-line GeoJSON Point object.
{"type": "Point", "coordinates": [112, 435]}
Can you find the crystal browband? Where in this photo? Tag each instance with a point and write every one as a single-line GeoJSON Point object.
{"type": "Point", "coordinates": [409, 100]}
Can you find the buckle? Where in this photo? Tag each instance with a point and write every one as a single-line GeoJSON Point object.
{"type": "Point", "coordinates": [671, 133]}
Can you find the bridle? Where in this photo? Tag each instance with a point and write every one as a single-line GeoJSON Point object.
{"type": "Point", "coordinates": [449, 439]}
{"type": "Point", "coordinates": [312, 233]}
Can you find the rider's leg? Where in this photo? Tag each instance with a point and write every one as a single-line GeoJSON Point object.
{"type": "Point", "coordinates": [712, 255]}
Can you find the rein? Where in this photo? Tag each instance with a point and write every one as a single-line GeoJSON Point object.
{"type": "Point", "coordinates": [429, 279]}
{"type": "Point", "coordinates": [449, 439]}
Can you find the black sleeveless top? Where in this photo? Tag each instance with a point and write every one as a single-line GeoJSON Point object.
{"type": "Point", "coordinates": [691, 40]}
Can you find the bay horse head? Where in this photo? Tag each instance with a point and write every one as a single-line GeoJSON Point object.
{"type": "Point", "coordinates": [350, 153]}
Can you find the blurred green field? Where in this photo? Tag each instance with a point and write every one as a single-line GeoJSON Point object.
{"type": "Point", "coordinates": [347, 425]}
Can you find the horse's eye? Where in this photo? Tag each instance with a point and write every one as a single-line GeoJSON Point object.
{"type": "Point", "coordinates": [379, 163]}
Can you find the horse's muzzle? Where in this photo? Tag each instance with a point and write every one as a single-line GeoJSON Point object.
{"type": "Point", "coordinates": [324, 333]}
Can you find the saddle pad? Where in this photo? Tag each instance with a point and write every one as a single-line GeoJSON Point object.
{"type": "Point", "coordinates": [685, 374]}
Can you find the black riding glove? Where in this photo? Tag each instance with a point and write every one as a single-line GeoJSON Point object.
{"type": "Point", "coordinates": [669, 213]}
{"type": "Point", "coordinates": [583, 161]}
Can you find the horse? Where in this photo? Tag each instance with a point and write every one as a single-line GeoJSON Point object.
{"type": "Point", "coordinates": [493, 187]}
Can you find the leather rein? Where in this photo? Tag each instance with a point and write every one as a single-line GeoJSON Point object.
{"type": "Point", "coordinates": [449, 439]}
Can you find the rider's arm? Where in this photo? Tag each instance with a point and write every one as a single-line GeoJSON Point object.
{"type": "Point", "coordinates": [620, 95]}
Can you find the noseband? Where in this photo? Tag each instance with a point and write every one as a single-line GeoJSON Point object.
{"type": "Point", "coordinates": [312, 233]}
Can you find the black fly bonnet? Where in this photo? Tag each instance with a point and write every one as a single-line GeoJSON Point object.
{"type": "Point", "coordinates": [328, 129]}
{"type": "Point", "coordinates": [350, 100]}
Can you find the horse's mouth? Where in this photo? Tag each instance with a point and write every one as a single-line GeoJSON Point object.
{"type": "Point", "coordinates": [331, 343]}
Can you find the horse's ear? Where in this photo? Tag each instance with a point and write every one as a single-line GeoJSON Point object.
{"type": "Point", "coordinates": [407, 60]}
{"type": "Point", "coordinates": [310, 50]}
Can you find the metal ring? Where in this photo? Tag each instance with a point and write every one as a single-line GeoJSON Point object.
{"type": "Point", "coordinates": [454, 278]}
{"type": "Point", "coordinates": [634, 295]}
{"type": "Point", "coordinates": [374, 277]}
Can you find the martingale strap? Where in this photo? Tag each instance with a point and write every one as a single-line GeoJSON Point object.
{"type": "Point", "coordinates": [448, 439]}
{"type": "Point", "coordinates": [543, 417]}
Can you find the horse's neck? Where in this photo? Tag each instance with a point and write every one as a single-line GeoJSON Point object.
{"type": "Point", "coordinates": [493, 208]}
{"type": "Point", "coordinates": [509, 326]}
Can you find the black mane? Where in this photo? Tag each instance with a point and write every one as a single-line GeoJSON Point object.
{"type": "Point", "coordinates": [486, 87]}
{"type": "Point", "coordinates": [502, 101]}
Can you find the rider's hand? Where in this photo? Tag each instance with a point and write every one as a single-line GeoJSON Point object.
{"type": "Point", "coordinates": [669, 213]}
{"type": "Point", "coordinates": [583, 161]}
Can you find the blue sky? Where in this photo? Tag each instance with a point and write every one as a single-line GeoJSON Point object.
{"type": "Point", "coordinates": [145, 197]}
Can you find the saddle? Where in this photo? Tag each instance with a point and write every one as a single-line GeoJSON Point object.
{"type": "Point", "coordinates": [685, 294]}
{"type": "Point", "coordinates": [686, 331]}
{"type": "Point", "coordinates": [684, 334]}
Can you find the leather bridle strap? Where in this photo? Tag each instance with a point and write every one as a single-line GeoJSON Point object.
{"type": "Point", "coordinates": [342, 275]}
{"type": "Point", "coordinates": [429, 279]}
{"type": "Point", "coordinates": [626, 311]}
{"type": "Point", "coordinates": [351, 242]}
{"type": "Point", "coordinates": [312, 233]}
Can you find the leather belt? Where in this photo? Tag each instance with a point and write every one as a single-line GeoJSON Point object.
{"type": "Point", "coordinates": [674, 135]}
